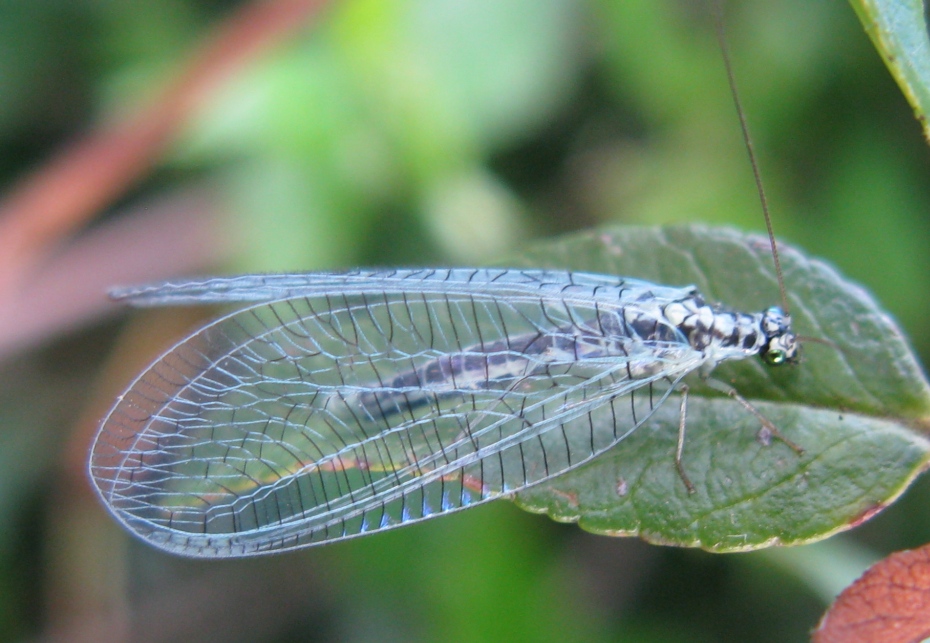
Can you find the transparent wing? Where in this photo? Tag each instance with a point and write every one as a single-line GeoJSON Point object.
{"type": "Point", "coordinates": [312, 419]}
{"type": "Point", "coordinates": [268, 287]}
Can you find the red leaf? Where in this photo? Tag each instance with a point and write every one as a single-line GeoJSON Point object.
{"type": "Point", "coordinates": [889, 603]}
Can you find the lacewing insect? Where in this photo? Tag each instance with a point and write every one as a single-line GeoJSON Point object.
{"type": "Point", "coordinates": [333, 405]}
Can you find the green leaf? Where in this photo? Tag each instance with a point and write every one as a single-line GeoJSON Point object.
{"type": "Point", "coordinates": [899, 30]}
{"type": "Point", "coordinates": [860, 408]}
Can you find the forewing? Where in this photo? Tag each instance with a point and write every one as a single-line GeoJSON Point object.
{"type": "Point", "coordinates": [312, 419]}
{"type": "Point", "coordinates": [269, 287]}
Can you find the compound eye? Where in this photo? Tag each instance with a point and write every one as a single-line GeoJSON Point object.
{"type": "Point", "coordinates": [775, 356]}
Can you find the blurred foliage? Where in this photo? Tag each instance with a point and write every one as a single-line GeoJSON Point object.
{"type": "Point", "coordinates": [453, 131]}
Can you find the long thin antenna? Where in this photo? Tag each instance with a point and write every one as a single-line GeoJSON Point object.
{"type": "Point", "coordinates": [731, 79]}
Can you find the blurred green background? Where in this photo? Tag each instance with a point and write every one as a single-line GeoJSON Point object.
{"type": "Point", "coordinates": [445, 132]}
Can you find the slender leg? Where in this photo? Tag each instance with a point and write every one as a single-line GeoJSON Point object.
{"type": "Point", "coordinates": [682, 422]}
{"type": "Point", "coordinates": [732, 392]}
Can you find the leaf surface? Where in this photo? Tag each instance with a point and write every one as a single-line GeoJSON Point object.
{"type": "Point", "coordinates": [899, 31]}
{"type": "Point", "coordinates": [859, 407]}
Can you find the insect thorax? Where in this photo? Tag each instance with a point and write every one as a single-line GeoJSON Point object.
{"type": "Point", "coordinates": [718, 335]}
